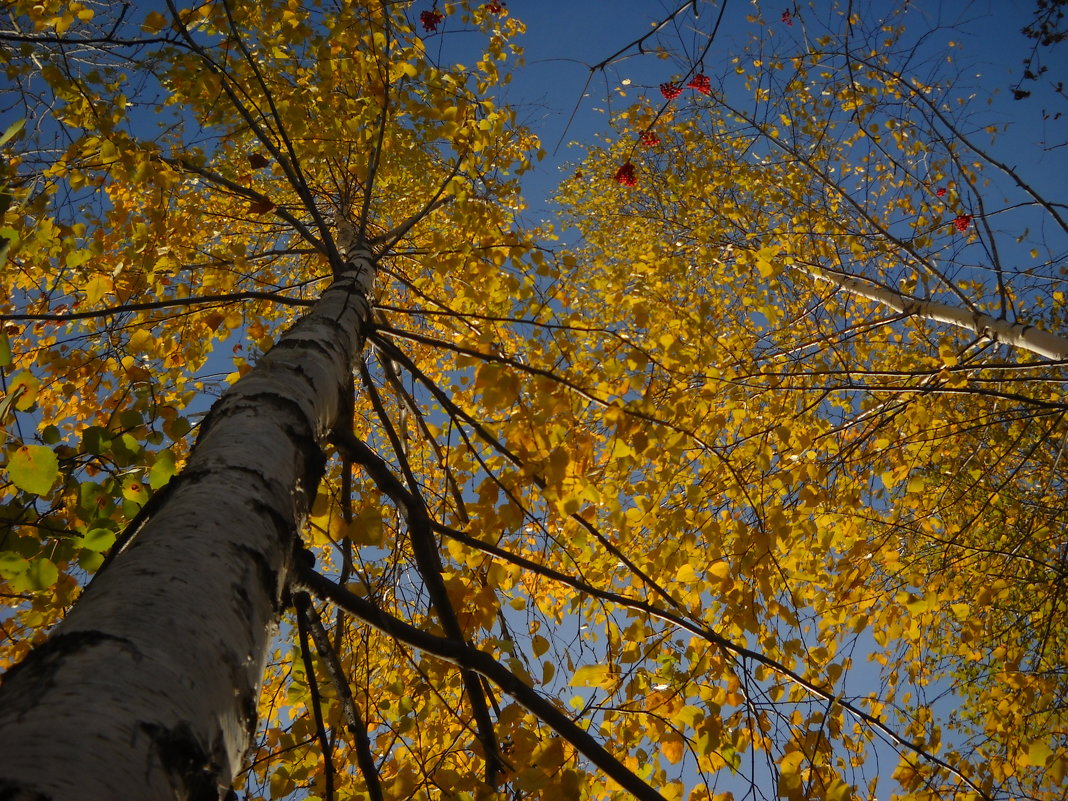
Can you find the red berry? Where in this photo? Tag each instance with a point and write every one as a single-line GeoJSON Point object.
{"type": "Point", "coordinates": [787, 17]}
{"type": "Point", "coordinates": [701, 83]}
{"type": "Point", "coordinates": [494, 8]}
{"type": "Point", "coordinates": [962, 221]}
{"type": "Point", "coordinates": [650, 139]}
{"type": "Point", "coordinates": [625, 175]}
{"type": "Point", "coordinates": [941, 191]}
{"type": "Point", "coordinates": [431, 19]}
{"type": "Point", "coordinates": [670, 90]}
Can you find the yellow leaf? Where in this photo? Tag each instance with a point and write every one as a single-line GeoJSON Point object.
{"type": "Point", "coordinates": [550, 755]}
{"type": "Point", "coordinates": [763, 261]}
{"type": "Point", "coordinates": [1038, 753]}
{"type": "Point", "coordinates": [790, 779]}
{"type": "Point", "coordinates": [672, 750]}
{"type": "Point", "coordinates": [25, 387]}
{"type": "Point", "coordinates": [548, 670]}
{"type": "Point", "coordinates": [720, 570]}
{"type": "Point", "coordinates": [133, 489]}
{"type": "Point", "coordinates": [839, 791]}
{"type": "Point", "coordinates": [140, 340]}
{"type": "Point", "coordinates": [589, 676]}
{"type": "Point", "coordinates": [366, 527]}
{"type": "Point", "coordinates": [948, 355]}
{"type": "Point", "coordinates": [96, 287]}
{"type": "Point", "coordinates": [539, 645]}
{"type": "Point", "coordinates": [621, 449]}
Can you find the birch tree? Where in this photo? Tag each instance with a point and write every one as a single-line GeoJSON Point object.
{"type": "Point", "coordinates": [477, 513]}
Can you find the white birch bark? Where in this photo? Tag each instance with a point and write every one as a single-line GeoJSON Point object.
{"type": "Point", "coordinates": [149, 688]}
{"type": "Point", "coordinates": [1018, 335]}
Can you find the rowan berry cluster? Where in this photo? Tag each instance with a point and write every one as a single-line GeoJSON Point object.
{"type": "Point", "coordinates": [494, 8]}
{"type": "Point", "coordinates": [787, 17]}
{"type": "Point", "coordinates": [700, 83]}
{"type": "Point", "coordinates": [431, 19]}
{"type": "Point", "coordinates": [650, 139]}
{"type": "Point", "coordinates": [626, 176]}
{"type": "Point", "coordinates": [962, 221]}
{"type": "Point", "coordinates": [941, 191]}
{"type": "Point", "coordinates": [670, 90]}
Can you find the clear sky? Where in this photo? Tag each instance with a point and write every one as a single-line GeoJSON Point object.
{"type": "Point", "coordinates": [565, 37]}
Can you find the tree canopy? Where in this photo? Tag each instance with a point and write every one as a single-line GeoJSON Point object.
{"type": "Point", "coordinates": [746, 476]}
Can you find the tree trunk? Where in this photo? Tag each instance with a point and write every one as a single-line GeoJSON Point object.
{"type": "Point", "coordinates": [149, 688]}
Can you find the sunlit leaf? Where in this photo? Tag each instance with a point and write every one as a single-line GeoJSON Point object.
{"type": "Point", "coordinates": [33, 468]}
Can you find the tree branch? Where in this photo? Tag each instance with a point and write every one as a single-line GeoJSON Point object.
{"type": "Point", "coordinates": [160, 304]}
{"type": "Point", "coordinates": [470, 658]}
{"type": "Point", "coordinates": [302, 602]}
{"type": "Point", "coordinates": [353, 719]}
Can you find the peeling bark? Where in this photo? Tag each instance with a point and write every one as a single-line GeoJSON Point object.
{"type": "Point", "coordinates": [148, 689]}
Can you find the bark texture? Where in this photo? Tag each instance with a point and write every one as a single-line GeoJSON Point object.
{"type": "Point", "coordinates": [148, 690]}
{"type": "Point", "coordinates": [1016, 334]}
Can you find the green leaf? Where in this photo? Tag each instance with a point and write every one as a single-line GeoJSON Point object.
{"type": "Point", "coordinates": [5, 350]}
{"type": "Point", "coordinates": [162, 469]}
{"type": "Point", "coordinates": [90, 561]}
{"type": "Point", "coordinates": [96, 440]}
{"type": "Point", "coordinates": [41, 575]}
{"type": "Point", "coordinates": [11, 132]}
{"type": "Point", "coordinates": [98, 539]}
{"type": "Point", "coordinates": [125, 449]}
{"type": "Point", "coordinates": [34, 468]}
{"type": "Point", "coordinates": [9, 401]}
{"type": "Point", "coordinates": [12, 565]}
{"type": "Point", "coordinates": [25, 575]}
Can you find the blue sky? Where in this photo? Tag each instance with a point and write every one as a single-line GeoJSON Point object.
{"type": "Point", "coordinates": [565, 37]}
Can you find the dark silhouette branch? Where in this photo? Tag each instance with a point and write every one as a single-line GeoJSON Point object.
{"type": "Point", "coordinates": [301, 601]}
{"type": "Point", "coordinates": [428, 563]}
{"type": "Point", "coordinates": [466, 656]}
{"type": "Point", "coordinates": [353, 719]}
{"type": "Point", "coordinates": [229, 297]}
